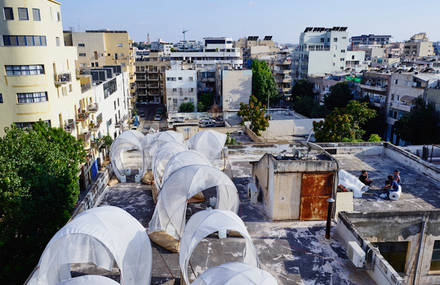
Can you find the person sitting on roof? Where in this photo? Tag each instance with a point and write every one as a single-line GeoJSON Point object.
{"type": "Point", "coordinates": [388, 182]}
{"type": "Point", "coordinates": [364, 178]}
{"type": "Point", "coordinates": [396, 174]}
{"type": "Point", "coordinates": [392, 186]}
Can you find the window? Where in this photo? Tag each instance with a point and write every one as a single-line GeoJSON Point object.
{"type": "Point", "coordinates": [58, 16]}
{"type": "Point", "coordinates": [119, 45]}
{"type": "Point", "coordinates": [396, 81]}
{"type": "Point", "coordinates": [57, 39]}
{"type": "Point", "coordinates": [110, 88]}
{"type": "Point", "coordinates": [93, 64]}
{"type": "Point", "coordinates": [335, 39]}
{"type": "Point", "coordinates": [118, 102]}
{"type": "Point", "coordinates": [322, 40]}
{"type": "Point", "coordinates": [81, 44]}
{"type": "Point", "coordinates": [342, 50]}
{"type": "Point", "coordinates": [174, 89]}
{"type": "Point", "coordinates": [114, 104]}
{"type": "Point", "coordinates": [435, 259]}
{"type": "Point", "coordinates": [36, 14]}
{"type": "Point", "coordinates": [352, 57]}
{"type": "Point", "coordinates": [23, 14]}
{"type": "Point", "coordinates": [191, 89]}
{"type": "Point", "coordinates": [1, 98]}
{"type": "Point", "coordinates": [395, 253]}
{"type": "Point", "coordinates": [34, 97]}
{"type": "Point", "coordinates": [24, 40]}
{"type": "Point", "coordinates": [17, 70]}
{"type": "Point", "coordinates": [180, 78]}
{"type": "Point", "coordinates": [82, 54]}
{"type": "Point", "coordinates": [8, 13]}
{"type": "Point", "coordinates": [190, 78]}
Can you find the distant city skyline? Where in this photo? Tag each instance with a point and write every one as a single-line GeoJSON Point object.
{"type": "Point", "coordinates": [282, 19]}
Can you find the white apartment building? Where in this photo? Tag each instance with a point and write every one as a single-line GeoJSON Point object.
{"type": "Point", "coordinates": [181, 87]}
{"type": "Point", "coordinates": [322, 51]}
{"type": "Point", "coordinates": [216, 50]}
{"type": "Point", "coordinates": [38, 75]}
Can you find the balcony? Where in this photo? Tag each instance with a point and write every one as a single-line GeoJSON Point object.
{"type": "Point", "coordinates": [401, 107]}
{"type": "Point", "coordinates": [118, 125]}
{"type": "Point", "coordinates": [82, 116]}
{"type": "Point", "coordinates": [69, 125]}
{"type": "Point", "coordinates": [95, 126]}
{"type": "Point", "coordinates": [93, 108]}
{"type": "Point", "coordinates": [284, 71]}
{"type": "Point", "coordinates": [97, 143]}
{"type": "Point", "coordinates": [153, 78]}
{"type": "Point", "coordinates": [85, 137]}
{"type": "Point", "coordinates": [141, 78]}
{"type": "Point", "coordinates": [63, 78]}
{"type": "Point", "coordinates": [374, 88]}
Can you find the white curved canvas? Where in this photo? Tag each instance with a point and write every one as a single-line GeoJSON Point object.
{"type": "Point", "coordinates": [158, 140]}
{"type": "Point", "coordinates": [89, 279]}
{"type": "Point", "coordinates": [209, 221]}
{"type": "Point", "coordinates": [128, 140]}
{"type": "Point", "coordinates": [169, 214]}
{"type": "Point", "coordinates": [182, 159]}
{"type": "Point", "coordinates": [103, 236]}
{"type": "Point", "coordinates": [169, 136]}
{"type": "Point", "coordinates": [210, 143]}
{"type": "Point", "coordinates": [235, 273]}
{"type": "Point", "coordinates": [161, 158]}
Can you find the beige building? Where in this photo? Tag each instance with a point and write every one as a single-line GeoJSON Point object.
{"type": "Point", "coordinates": [38, 75]}
{"type": "Point", "coordinates": [418, 46]}
{"type": "Point", "coordinates": [98, 48]}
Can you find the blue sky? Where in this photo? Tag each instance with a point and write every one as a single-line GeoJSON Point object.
{"type": "Point", "coordinates": [284, 19]}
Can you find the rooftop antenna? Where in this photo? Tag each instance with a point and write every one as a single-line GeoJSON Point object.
{"type": "Point", "coordinates": [184, 34]}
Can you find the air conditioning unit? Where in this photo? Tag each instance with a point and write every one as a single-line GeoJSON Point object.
{"type": "Point", "coordinates": [356, 254]}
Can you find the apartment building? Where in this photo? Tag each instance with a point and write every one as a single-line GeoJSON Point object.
{"type": "Point", "coordinates": [418, 46]}
{"type": "Point", "coordinates": [181, 87]}
{"type": "Point", "coordinates": [150, 78]}
{"type": "Point", "coordinates": [282, 69]}
{"type": "Point", "coordinates": [38, 74]}
{"type": "Point", "coordinates": [97, 48]}
{"type": "Point", "coordinates": [371, 39]}
{"type": "Point", "coordinates": [236, 88]}
{"type": "Point", "coordinates": [322, 51]}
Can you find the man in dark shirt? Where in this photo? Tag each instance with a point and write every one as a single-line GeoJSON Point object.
{"type": "Point", "coordinates": [396, 174]}
{"type": "Point", "coordinates": [364, 178]}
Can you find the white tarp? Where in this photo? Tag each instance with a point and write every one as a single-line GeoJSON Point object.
{"type": "Point", "coordinates": [89, 279]}
{"type": "Point", "coordinates": [169, 214]}
{"type": "Point", "coordinates": [209, 221]}
{"type": "Point", "coordinates": [102, 236]}
{"type": "Point", "coordinates": [156, 143]}
{"type": "Point", "coordinates": [182, 159]}
{"type": "Point", "coordinates": [235, 273]}
{"type": "Point", "coordinates": [129, 140]}
{"type": "Point", "coordinates": [210, 143]}
{"type": "Point", "coordinates": [161, 158]}
{"type": "Point", "coordinates": [352, 183]}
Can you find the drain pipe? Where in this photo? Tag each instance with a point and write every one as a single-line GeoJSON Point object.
{"type": "Point", "coordinates": [422, 235]}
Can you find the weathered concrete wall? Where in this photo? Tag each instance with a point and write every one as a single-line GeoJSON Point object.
{"type": "Point", "coordinates": [344, 203]}
{"type": "Point", "coordinates": [260, 173]}
{"type": "Point", "coordinates": [287, 196]}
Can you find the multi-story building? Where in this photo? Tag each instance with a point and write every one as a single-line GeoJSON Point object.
{"type": "Point", "coordinates": [150, 78]}
{"type": "Point", "coordinates": [375, 86]}
{"type": "Point", "coordinates": [236, 88]}
{"type": "Point", "coordinates": [321, 51]}
{"type": "Point", "coordinates": [181, 87]}
{"type": "Point", "coordinates": [97, 48]}
{"type": "Point", "coordinates": [366, 40]}
{"type": "Point", "coordinates": [38, 75]}
{"type": "Point", "coordinates": [418, 46]}
{"type": "Point", "coordinates": [282, 70]}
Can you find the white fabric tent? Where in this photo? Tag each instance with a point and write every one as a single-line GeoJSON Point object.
{"type": "Point", "coordinates": [235, 273]}
{"type": "Point", "coordinates": [210, 143]}
{"type": "Point", "coordinates": [209, 221]}
{"type": "Point", "coordinates": [182, 159]}
{"type": "Point", "coordinates": [157, 142]}
{"type": "Point", "coordinates": [169, 214]}
{"type": "Point", "coordinates": [161, 158]}
{"type": "Point", "coordinates": [129, 140]}
{"type": "Point", "coordinates": [169, 136]}
{"type": "Point", "coordinates": [89, 279]}
{"type": "Point", "coordinates": [103, 236]}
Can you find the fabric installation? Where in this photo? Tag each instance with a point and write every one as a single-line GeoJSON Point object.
{"type": "Point", "coordinates": [210, 143]}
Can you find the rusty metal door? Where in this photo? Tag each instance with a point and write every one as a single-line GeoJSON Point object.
{"type": "Point", "coordinates": [316, 188]}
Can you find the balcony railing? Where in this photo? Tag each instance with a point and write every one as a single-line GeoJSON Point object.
{"type": "Point", "coordinates": [93, 108]}
{"type": "Point", "coordinates": [84, 136]}
{"type": "Point", "coordinates": [95, 126]}
{"type": "Point", "coordinates": [374, 88]}
{"type": "Point", "coordinates": [401, 107]}
{"type": "Point", "coordinates": [69, 125]}
{"type": "Point", "coordinates": [82, 116]}
{"type": "Point", "coordinates": [63, 78]}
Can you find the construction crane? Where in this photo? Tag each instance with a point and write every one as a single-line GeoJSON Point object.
{"type": "Point", "coordinates": [184, 34]}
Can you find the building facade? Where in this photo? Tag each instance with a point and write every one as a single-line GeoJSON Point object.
{"type": "Point", "coordinates": [418, 46]}
{"type": "Point", "coordinates": [366, 40]}
{"type": "Point", "coordinates": [181, 87]}
{"type": "Point", "coordinates": [236, 88]}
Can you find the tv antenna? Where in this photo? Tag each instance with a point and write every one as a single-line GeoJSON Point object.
{"type": "Point", "coordinates": [184, 34]}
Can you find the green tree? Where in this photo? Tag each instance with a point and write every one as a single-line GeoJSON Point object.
{"type": "Point", "coordinates": [340, 95]}
{"type": "Point", "coordinates": [205, 102]}
{"type": "Point", "coordinates": [374, 138]}
{"type": "Point", "coordinates": [38, 191]}
{"type": "Point", "coordinates": [421, 125]}
{"type": "Point", "coordinates": [254, 112]}
{"type": "Point", "coordinates": [263, 82]}
{"type": "Point", "coordinates": [303, 88]}
{"type": "Point", "coordinates": [344, 124]}
{"type": "Point", "coordinates": [186, 107]}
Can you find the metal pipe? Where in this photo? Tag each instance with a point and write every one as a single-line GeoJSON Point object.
{"type": "Point", "coordinates": [331, 202]}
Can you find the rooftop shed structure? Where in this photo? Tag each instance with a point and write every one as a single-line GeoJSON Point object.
{"type": "Point", "coordinates": [296, 188]}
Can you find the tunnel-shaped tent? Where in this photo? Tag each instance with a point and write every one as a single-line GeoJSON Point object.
{"type": "Point", "coordinates": [127, 141]}
{"type": "Point", "coordinates": [89, 279]}
{"type": "Point", "coordinates": [235, 273]}
{"type": "Point", "coordinates": [158, 140]}
{"type": "Point", "coordinates": [161, 158]}
{"type": "Point", "coordinates": [210, 143]}
{"type": "Point", "coordinates": [169, 214]}
{"type": "Point", "coordinates": [182, 159]}
{"type": "Point", "coordinates": [103, 236]}
{"type": "Point", "coordinates": [209, 221]}
{"type": "Point", "coordinates": [169, 136]}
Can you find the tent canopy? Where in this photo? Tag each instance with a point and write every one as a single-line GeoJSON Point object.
{"type": "Point", "coordinates": [169, 214]}
{"type": "Point", "coordinates": [89, 279]}
{"type": "Point", "coordinates": [210, 143]}
{"type": "Point", "coordinates": [161, 158]}
{"type": "Point", "coordinates": [182, 159]}
{"type": "Point", "coordinates": [209, 221]}
{"type": "Point", "coordinates": [103, 236]}
{"type": "Point", "coordinates": [234, 273]}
